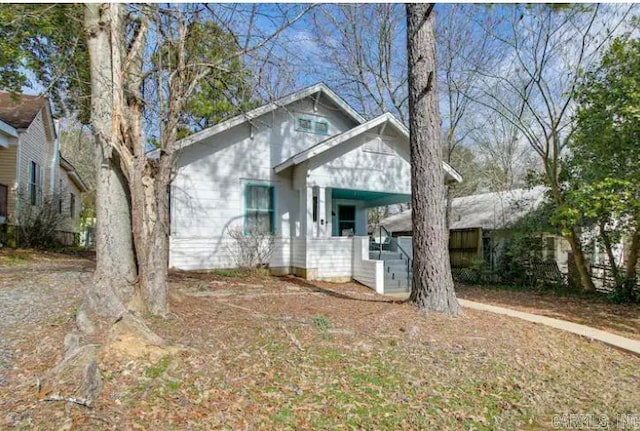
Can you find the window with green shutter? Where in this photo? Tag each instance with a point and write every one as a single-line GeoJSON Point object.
{"type": "Point", "coordinates": [259, 216]}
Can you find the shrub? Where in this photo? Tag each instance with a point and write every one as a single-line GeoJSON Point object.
{"type": "Point", "coordinates": [37, 226]}
{"type": "Point", "coordinates": [251, 250]}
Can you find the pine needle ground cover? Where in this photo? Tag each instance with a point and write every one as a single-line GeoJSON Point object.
{"type": "Point", "coordinates": [282, 353]}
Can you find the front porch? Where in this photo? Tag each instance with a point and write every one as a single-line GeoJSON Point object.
{"type": "Point", "coordinates": [333, 243]}
{"type": "Point", "coordinates": [339, 212]}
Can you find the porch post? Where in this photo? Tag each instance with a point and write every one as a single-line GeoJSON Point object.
{"type": "Point", "coordinates": [306, 212]}
{"type": "Point", "coordinates": [328, 217]}
{"type": "Point", "coordinates": [322, 212]}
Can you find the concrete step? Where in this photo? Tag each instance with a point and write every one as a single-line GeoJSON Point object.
{"type": "Point", "coordinates": [397, 275]}
{"type": "Point", "coordinates": [386, 255]}
{"type": "Point", "coordinates": [396, 290]}
{"type": "Point", "coordinates": [396, 267]}
{"type": "Point", "coordinates": [390, 283]}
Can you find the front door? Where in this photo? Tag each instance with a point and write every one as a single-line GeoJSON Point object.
{"type": "Point", "coordinates": [346, 220]}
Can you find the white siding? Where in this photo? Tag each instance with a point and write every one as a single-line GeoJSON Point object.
{"type": "Point", "coordinates": [299, 253]}
{"type": "Point", "coordinates": [207, 253]}
{"type": "Point", "coordinates": [359, 169]}
{"type": "Point", "coordinates": [208, 192]}
{"type": "Point", "coordinates": [331, 257]}
{"type": "Point", "coordinates": [366, 271]}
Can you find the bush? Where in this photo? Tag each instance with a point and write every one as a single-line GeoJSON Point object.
{"type": "Point", "coordinates": [38, 226]}
{"type": "Point", "coordinates": [251, 250]}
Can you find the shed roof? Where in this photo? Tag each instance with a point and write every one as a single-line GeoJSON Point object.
{"type": "Point", "coordinates": [489, 211]}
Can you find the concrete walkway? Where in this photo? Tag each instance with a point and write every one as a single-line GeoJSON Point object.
{"type": "Point", "coordinates": [623, 343]}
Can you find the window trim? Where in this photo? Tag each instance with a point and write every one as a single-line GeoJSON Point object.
{"type": "Point", "coordinates": [36, 183]}
{"type": "Point", "coordinates": [313, 123]}
{"type": "Point", "coordinates": [271, 210]}
{"type": "Point", "coordinates": [72, 205]}
{"type": "Point", "coordinates": [341, 220]}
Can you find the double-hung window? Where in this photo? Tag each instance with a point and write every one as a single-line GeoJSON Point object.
{"type": "Point", "coordinates": [36, 182]}
{"type": "Point", "coordinates": [259, 218]}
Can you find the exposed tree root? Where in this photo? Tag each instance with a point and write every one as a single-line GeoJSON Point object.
{"type": "Point", "coordinates": [75, 379]}
{"type": "Point", "coordinates": [130, 337]}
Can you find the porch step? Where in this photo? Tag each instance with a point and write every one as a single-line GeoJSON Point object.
{"type": "Point", "coordinates": [385, 255]}
{"type": "Point", "coordinates": [396, 290]}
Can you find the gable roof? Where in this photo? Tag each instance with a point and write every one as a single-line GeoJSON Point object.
{"type": "Point", "coordinates": [19, 110]}
{"type": "Point", "coordinates": [489, 211]}
{"type": "Point", "coordinates": [337, 140]}
{"type": "Point", "coordinates": [318, 88]}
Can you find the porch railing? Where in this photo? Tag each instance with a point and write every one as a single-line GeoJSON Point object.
{"type": "Point", "coordinates": [386, 239]}
{"type": "Point", "coordinates": [409, 263]}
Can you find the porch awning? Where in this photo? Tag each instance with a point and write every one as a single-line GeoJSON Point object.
{"type": "Point", "coordinates": [370, 198]}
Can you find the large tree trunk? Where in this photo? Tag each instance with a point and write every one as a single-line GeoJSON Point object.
{"type": "Point", "coordinates": [151, 220]}
{"type": "Point", "coordinates": [154, 284]}
{"type": "Point", "coordinates": [432, 282]}
{"type": "Point", "coordinates": [115, 272]}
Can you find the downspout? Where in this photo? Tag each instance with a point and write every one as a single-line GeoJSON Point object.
{"type": "Point", "coordinates": [55, 159]}
{"type": "Point", "coordinates": [18, 178]}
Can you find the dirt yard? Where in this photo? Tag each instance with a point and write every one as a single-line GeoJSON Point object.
{"type": "Point", "coordinates": [281, 353]}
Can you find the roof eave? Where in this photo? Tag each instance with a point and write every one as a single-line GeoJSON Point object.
{"type": "Point", "coordinates": [267, 108]}
{"type": "Point", "coordinates": [8, 129]}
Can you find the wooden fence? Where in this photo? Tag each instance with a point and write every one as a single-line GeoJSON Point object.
{"type": "Point", "coordinates": [465, 245]}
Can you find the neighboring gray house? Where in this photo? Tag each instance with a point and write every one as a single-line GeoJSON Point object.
{"type": "Point", "coordinates": [303, 169]}
{"type": "Point", "coordinates": [480, 224]}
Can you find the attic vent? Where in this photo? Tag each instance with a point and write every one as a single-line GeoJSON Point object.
{"type": "Point", "coordinates": [377, 145]}
{"type": "Point", "coordinates": [305, 124]}
{"type": "Point", "coordinates": [319, 127]}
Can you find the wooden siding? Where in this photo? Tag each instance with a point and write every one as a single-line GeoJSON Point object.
{"type": "Point", "coordinates": [361, 169]}
{"type": "Point", "coordinates": [207, 253]}
{"type": "Point", "coordinates": [63, 189]}
{"type": "Point", "coordinates": [207, 194]}
{"type": "Point", "coordinates": [8, 160]}
{"type": "Point", "coordinates": [366, 271]}
{"type": "Point", "coordinates": [35, 146]}
{"type": "Point", "coordinates": [330, 257]}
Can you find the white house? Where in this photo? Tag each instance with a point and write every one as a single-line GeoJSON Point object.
{"type": "Point", "coordinates": [305, 168]}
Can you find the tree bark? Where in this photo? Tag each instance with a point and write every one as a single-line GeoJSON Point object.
{"type": "Point", "coordinates": [609, 250]}
{"type": "Point", "coordinates": [586, 282]}
{"type": "Point", "coordinates": [581, 264]}
{"type": "Point", "coordinates": [631, 261]}
{"type": "Point", "coordinates": [432, 281]}
{"type": "Point", "coordinates": [115, 272]}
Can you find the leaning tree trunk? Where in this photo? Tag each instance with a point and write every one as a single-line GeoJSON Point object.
{"type": "Point", "coordinates": [631, 261]}
{"type": "Point", "coordinates": [432, 282]}
{"type": "Point", "coordinates": [115, 263]}
{"type": "Point", "coordinates": [581, 262]}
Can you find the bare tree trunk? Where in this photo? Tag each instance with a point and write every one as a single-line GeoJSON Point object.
{"type": "Point", "coordinates": [631, 261]}
{"type": "Point", "coordinates": [115, 272]}
{"type": "Point", "coordinates": [574, 239]}
{"type": "Point", "coordinates": [581, 264]}
{"type": "Point", "coordinates": [432, 282]}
